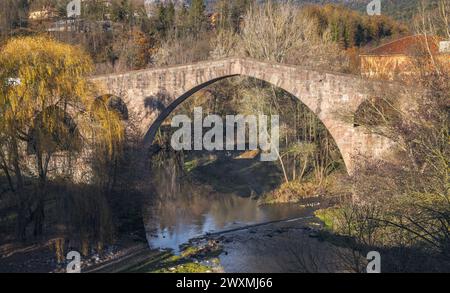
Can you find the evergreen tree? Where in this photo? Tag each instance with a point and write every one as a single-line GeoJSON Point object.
{"type": "Point", "coordinates": [231, 13]}
{"type": "Point", "coordinates": [122, 11]}
{"type": "Point", "coordinates": [238, 10]}
{"type": "Point", "coordinates": [165, 18]}
{"type": "Point", "coordinates": [170, 15]}
{"type": "Point", "coordinates": [223, 10]}
{"type": "Point", "coordinates": [182, 21]}
{"type": "Point", "coordinates": [197, 16]}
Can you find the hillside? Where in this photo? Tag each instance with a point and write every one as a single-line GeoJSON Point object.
{"type": "Point", "coordinates": [398, 9]}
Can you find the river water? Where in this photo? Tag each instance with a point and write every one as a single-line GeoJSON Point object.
{"type": "Point", "coordinates": [181, 209]}
{"type": "Point", "coordinates": [175, 222]}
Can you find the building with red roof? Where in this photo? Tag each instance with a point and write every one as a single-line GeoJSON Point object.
{"type": "Point", "coordinates": [400, 59]}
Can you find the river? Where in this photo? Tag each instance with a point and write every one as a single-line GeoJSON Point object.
{"type": "Point", "coordinates": [188, 216]}
{"type": "Point", "coordinates": [183, 208]}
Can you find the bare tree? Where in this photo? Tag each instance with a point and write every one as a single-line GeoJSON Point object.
{"type": "Point", "coordinates": [271, 31]}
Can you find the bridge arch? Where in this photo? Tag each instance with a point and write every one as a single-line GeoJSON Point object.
{"type": "Point", "coordinates": [326, 94]}
{"type": "Point", "coordinates": [112, 103]}
{"type": "Point", "coordinates": [165, 113]}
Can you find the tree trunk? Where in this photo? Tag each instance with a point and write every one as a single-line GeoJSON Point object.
{"type": "Point", "coordinates": [39, 212]}
{"type": "Point", "coordinates": [22, 207]}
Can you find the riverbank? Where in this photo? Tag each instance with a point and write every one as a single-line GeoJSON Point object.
{"type": "Point", "coordinates": [42, 257]}
{"type": "Point", "coordinates": [230, 220]}
{"type": "Point", "coordinates": [292, 245]}
{"type": "Point", "coordinates": [289, 246]}
{"type": "Point", "coordinates": [203, 217]}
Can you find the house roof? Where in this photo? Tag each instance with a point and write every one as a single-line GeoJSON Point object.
{"type": "Point", "coordinates": [410, 45]}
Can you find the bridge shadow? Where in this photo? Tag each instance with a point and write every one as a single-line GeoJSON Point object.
{"type": "Point", "coordinates": [243, 177]}
{"type": "Point", "coordinates": [157, 102]}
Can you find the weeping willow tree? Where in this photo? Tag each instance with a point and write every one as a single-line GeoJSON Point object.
{"type": "Point", "coordinates": [45, 109]}
{"type": "Point", "coordinates": [108, 111]}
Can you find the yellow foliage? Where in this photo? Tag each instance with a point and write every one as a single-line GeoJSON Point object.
{"type": "Point", "coordinates": [39, 74]}
{"type": "Point", "coordinates": [48, 72]}
{"type": "Point", "coordinates": [112, 133]}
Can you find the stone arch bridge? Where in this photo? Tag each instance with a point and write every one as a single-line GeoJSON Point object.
{"type": "Point", "coordinates": [152, 94]}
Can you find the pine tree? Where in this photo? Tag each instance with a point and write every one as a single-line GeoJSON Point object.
{"type": "Point", "coordinates": [170, 15]}
{"type": "Point", "coordinates": [231, 13]}
{"type": "Point", "coordinates": [197, 16]}
{"type": "Point", "coordinates": [165, 18]}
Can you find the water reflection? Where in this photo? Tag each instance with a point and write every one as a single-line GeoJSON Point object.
{"type": "Point", "coordinates": [182, 209]}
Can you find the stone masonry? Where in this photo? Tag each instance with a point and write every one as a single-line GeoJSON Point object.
{"type": "Point", "coordinates": [152, 94]}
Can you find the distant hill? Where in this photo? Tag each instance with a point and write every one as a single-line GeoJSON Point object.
{"type": "Point", "coordinates": [398, 9]}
